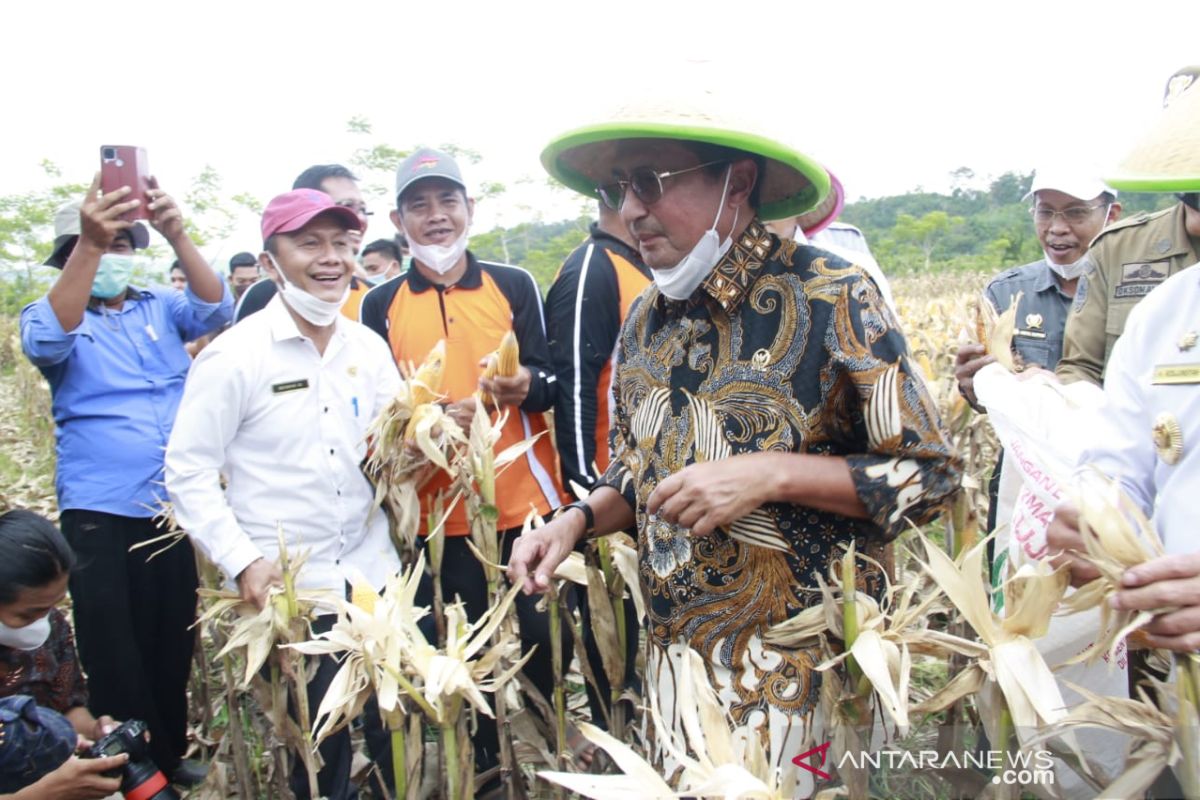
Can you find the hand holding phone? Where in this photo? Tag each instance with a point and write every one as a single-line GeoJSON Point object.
{"type": "Point", "coordinates": [124, 165]}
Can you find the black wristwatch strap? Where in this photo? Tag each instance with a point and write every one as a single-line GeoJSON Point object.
{"type": "Point", "coordinates": [588, 515]}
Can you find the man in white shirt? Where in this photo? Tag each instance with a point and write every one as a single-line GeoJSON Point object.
{"type": "Point", "coordinates": [1146, 438]}
{"type": "Point", "coordinates": [279, 405]}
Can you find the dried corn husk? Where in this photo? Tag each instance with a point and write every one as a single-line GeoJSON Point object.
{"type": "Point", "coordinates": [1154, 743]}
{"type": "Point", "coordinates": [1116, 536]}
{"type": "Point", "coordinates": [255, 631]}
{"type": "Point", "coordinates": [1029, 688]}
{"type": "Point", "coordinates": [995, 332]}
{"type": "Point", "coordinates": [426, 381]}
{"type": "Point", "coordinates": [718, 759]}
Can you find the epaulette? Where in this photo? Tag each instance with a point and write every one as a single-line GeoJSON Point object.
{"type": "Point", "coordinates": [1130, 222]}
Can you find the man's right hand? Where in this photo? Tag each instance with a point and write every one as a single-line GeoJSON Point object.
{"type": "Point", "coordinates": [255, 581]}
{"type": "Point", "coordinates": [969, 359]}
{"type": "Point", "coordinates": [78, 779]}
{"type": "Point", "coordinates": [1065, 542]}
{"type": "Point", "coordinates": [100, 215]}
{"type": "Point", "coordinates": [537, 553]}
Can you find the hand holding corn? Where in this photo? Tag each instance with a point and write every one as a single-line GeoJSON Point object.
{"type": "Point", "coordinates": [1172, 580]}
{"type": "Point", "coordinates": [504, 381]}
{"type": "Point", "coordinates": [1066, 543]}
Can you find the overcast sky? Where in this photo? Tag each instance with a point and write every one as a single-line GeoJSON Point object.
{"type": "Point", "coordinates": [891, 96]}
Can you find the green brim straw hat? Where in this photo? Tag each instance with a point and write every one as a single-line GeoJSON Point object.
{"type": "Point", "coordinates": [1167, 159]}
{"type": "Point", "coordinates": [791, 183]}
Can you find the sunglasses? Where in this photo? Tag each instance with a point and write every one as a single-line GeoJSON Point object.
{"type": "Point", "coordinates": [1190, 199]}
{"type": "Point", "coordinates": [645, 183]}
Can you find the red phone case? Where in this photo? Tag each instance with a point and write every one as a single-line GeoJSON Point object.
{"type": "Point", "coordinates": [124, 165]}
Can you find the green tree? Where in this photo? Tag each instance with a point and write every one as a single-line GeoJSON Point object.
{"type": "Point", "coordinates": [26, 238]}
{"type": "Point", "coordinates": [926, 232]}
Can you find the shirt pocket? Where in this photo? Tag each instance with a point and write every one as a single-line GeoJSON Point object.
{"type": "Point", "coordinates": [1034, 352]}
{"type": "Point", "coordinates": [162, 352]}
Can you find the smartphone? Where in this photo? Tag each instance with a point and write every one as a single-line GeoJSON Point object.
{"type": "Point", "coordinates": [123, 165]}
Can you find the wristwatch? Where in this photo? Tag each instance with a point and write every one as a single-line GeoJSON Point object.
{"type": "Point", "coordinates": [588, 515]}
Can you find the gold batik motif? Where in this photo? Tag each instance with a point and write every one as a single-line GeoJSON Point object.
{"type": "Point", "coordinates": [784, 348]}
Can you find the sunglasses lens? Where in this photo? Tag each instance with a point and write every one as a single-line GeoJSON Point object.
{"type": "Point", "coordinates": [610, 194]}
{"type": "Point", "coordinates": [646, 185]}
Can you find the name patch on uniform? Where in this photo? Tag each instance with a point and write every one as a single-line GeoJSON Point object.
{"type": "Point", "coordinates": [1029, 334]}
{"type": "Point", "coordinates": [1169, 374]}
{"type": "Point", "coordinates": [1134, 290]}
{"type": "Point", "coordinates": [289, 386]}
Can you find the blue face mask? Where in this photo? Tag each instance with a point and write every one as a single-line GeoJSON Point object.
{"type": "Point", "coordinates": [112, 277]}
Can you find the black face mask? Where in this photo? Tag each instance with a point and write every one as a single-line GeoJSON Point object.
{"type": "Point", "coordinates": [1190, 199]}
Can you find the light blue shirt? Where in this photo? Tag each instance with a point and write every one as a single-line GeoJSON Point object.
{"type": "Point", "coordinates": [115, 383]}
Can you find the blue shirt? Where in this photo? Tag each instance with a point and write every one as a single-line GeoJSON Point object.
{"type": "Point", "coordinates": [115, 383]}
{"type": "Point", "coordinates": [1042, 316]}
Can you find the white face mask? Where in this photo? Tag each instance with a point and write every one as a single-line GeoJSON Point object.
{"type": "Point", "coordinates": [321, 313]}
{"type": "Point", "coordinates": [441, 259]}
{"type": "Point", "coordinates": [29, 637]}
{"type": "Point", "coordinates": [1068, 272]}
{"type": "Point", "coordinates": [679, 282]}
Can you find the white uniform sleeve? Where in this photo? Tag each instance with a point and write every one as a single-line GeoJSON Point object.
{"type": "Point", "coordinates": [210, 413]}
{"type": "Point", "coordinates": [1121, 446]}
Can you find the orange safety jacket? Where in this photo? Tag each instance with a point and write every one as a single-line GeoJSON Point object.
{"type": "Point", "coordinates": [412, 314]}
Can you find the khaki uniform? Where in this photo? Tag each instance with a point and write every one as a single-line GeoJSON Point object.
{"type": "Point", "coordinates": [1129, 260]}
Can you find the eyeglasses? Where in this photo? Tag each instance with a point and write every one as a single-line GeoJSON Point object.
{"type": "Point", "coordinates": [645, 182]}
{"type": "Point", "coordinates": [357, 206]}
{"type": "Point", "coordinates": [1073, 215]}
{"type": "Point", "coordinates": [1190, 199]}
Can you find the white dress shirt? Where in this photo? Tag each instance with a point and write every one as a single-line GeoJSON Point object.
{"type": "Point", "coordinates": [285, 426]}
{"type": "Point", "coordinates": [1135, 391]}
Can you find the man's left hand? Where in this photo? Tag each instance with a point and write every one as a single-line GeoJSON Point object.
{"type": "Point", "coordinates": [508, 391]}
{"type": "Point", "coordinates": [705, 496]}
{"type": "Point", "coordinates": [166, 217]}
{"type": "Point", "coordinates": [1167, 581]}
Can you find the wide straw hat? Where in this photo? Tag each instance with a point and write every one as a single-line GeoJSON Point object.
{"type": "Point", "coordinates": [1167, 159]}
{"type": "Point", "coordinates": [791, 183]}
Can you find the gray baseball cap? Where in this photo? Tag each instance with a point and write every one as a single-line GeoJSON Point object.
{"type": "Point", "coordinates": [425, 162]}
{"type": "Point", "coordinates": [67, 230]}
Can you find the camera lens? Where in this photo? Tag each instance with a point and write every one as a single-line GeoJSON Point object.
{"type": "Point", "coordinates": [110, 152]}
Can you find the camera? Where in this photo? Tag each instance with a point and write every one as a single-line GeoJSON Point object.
{"type": "Point", "coordinates": [140, 777]}
{"type": "Point", "coordinates": [109, 154]}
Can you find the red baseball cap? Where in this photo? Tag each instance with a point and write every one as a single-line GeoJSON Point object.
{"type": "Point", "coordinates": [292, 210]}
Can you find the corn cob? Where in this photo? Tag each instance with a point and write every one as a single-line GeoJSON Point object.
{"type": "Point", "coordinates": [504, 363]}
{"type": "Point", "coordinates": [427, 382]}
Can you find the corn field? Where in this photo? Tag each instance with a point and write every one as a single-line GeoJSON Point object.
{"type": "Point", "coordinates": [931, 668]}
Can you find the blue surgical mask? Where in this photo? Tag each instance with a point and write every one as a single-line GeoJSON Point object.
{"type": "Point", "coordinates": [112, 276]}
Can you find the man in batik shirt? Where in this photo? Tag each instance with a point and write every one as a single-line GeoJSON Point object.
{"type": "Point", "coordinates": [766, 412]}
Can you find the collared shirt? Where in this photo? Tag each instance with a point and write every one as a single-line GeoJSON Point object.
{"type": "Point", "coordinates": [285, 426]}
{"type": "Point", "coordinates": [50, 674]}
{"type": "Point", "coordinates": [781, 348]}
{"type": "Point", "coordinates": [115, 382]}
{"type": "Point", "coordinates": [1154, 376]}
{"type": "Point", "coordinates": [1042, 314]}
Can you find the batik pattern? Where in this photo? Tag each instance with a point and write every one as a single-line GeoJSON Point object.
{"type": "Point", "coordinates": [785, 348]}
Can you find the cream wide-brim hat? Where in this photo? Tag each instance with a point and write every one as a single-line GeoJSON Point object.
{"type": "Point", "coordinates": [1167, 159]}
{"type": "Point", "coordinates": [791, 183]}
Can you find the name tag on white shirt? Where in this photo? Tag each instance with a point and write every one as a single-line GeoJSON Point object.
{"type": "Point", "coordinates": [289, 386]}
